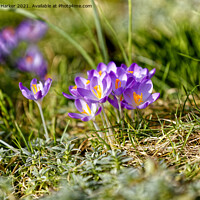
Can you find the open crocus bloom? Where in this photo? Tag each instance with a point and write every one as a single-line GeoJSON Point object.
{"type": "Point", "coordinates": [80, 82]}
{"type": "Point", "coordinates": [37, 91]}
{"type": "Point", "coordinates": [139, 96]}
{"type": "Point", "coordinates": [98, 90]}
{"type": "Point", "coordinates": [138, 72]}
{"type": "Point", "coordinates": [87, 110]}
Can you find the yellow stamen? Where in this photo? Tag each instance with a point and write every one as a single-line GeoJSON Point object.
{"type": "Point", "coordinates": [75, 87]}
{"type": "Point", "coordinates": [130, 72]}
{"type": "Point", "coordinates": [121, 98]}
{"type": "Point", "coordinates": [88, 81]}
{"type": "Point", "coordinates": [98, 92]}
{"type": "Point", "coordinates": [100, 72]}
{"type": "Point", "coordinates": [88, 108]}
{"type": "Point", "coordinates": [34, 88]}
{"type": "Point", "coordinates": [117, 83]}
{"type": "Point", "coordinates": [137, 98]}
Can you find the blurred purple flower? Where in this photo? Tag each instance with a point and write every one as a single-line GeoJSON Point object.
{"type": "Point", "coordinates": [9, 37]}
{"type": "Point", "coordinates": [8, 41]}
{"type": "Point", "coordinates": [98, 90]}
{"type": "Point", "coordinates": [138, 72]}
{"type": "Point", "coordinates": [88, 110]}
{"type": "Point", "coordinates": [33, 61]}
{"type": "Point", "coordinates": [139, 96]}
{"type": "Point", "coordinates": [38, 91]}
{"type": "Point", "coordinates": [80, 82]}
{"type": "Point", "coordinates": [31, 30]}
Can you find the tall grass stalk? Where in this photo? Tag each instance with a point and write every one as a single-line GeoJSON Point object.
{"type": "Point", "coordinates": [130, 32]}
{"type": "Point", "coordinates": [43, 121]}
{"type": "Point", "coordinates": [100, 32]}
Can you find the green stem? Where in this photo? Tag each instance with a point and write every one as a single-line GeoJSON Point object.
{"type": "Point", "coordinates": [117, 115]}
{"type": "Point", "coordinates": [110, 133]}
{"type": "Point", "coordinates": [130, 32]}
{"type": "Point", "coordinates": [44, 124]}
{"type": "Point", "coordinates": [98, 129]}
{"type": "Point", "coordinates": [120, 111]}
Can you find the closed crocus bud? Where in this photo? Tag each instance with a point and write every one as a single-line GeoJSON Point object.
{"type": "Point", "coordinates": [33, 61]}
{"type": "Point", "coordinates": [31, 30]}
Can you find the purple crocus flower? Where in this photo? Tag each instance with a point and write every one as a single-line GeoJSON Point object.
{"type": "Point", "coordinates": [37, 90]}
{"type": "Point", "coordinates": [138, 72]}
{"type": "Point", "coordinates": [80, 82]}
{"type": "Point", "coordinates": [33, 61]}
{"type": "Point", "coordinates": [9, 37]}
{"type": "Point", "coordinates": [88, 110]}
{"type": "Point", "coordinates": [139, 96]}
{"type": "Point", "coordinates": [31, 30]}
{"type": "Point", "coordinates": [102, 70]}
{"type": "Point", "coordinates": [98, 89]}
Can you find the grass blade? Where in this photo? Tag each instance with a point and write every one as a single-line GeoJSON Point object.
{"type": "Point", "coordinates": [100, 33]}
{"type": "Point", "coordinates": [130, 32]}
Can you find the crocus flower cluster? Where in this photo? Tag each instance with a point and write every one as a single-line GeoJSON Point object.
{"type": "Point", "coordinates": [124, 87]}
{"type": "Point", "coordinates": [29, 31]}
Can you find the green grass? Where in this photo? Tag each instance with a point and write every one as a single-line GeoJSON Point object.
{"type": "Point", "coordinates": [156, 155]}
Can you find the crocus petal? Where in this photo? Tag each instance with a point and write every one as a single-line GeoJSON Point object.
{"type": "Point", "coordinates": [129, 107]}
{"type": "Point", "coordinates": [128, 95]}
{"type": "Point", "coordinates": [119, 91]}
{"type": "Point", "coordinates": [113, 102]}
{"type": "Point", "coordinates": [34, 81]}
{"type": "Point", "coordinates": [38, 95]}
{"type": "Point", "coordinates": [151, 99]}
{"type": "Point", "coordinates": [152, 72]}
{"type": "Point", "coordinates": [103, 100]}
{"type": "Point", "coordinates": [144, 105]}
{"type": "Point", "coordinates": [146, 89]}
{"type": "Point", "coordinates": [26, 92]}
{"type": "Point", "coordinates": [111, 67]}
{"type": "Point", "coordinates": [86, 93]}
{"type": "Point", "coordinates": [98, 111]}
{"type": "Point", "coordinates": [80, 82]}
{"type": "Point", "coordinates": [76, 115]}
{"type": "Point", "coordinates": [123, 66]}
{"type": "Point", "coordinates": [101, 67]}
{"type": "Point", "coordinates": [88, 118]}
{"type": "Point", "coordinates": [47, 86]}
{"type": "Point", "coordinates": [79, 105]}
{"type": "Point", "coordinates": [69, 96]}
